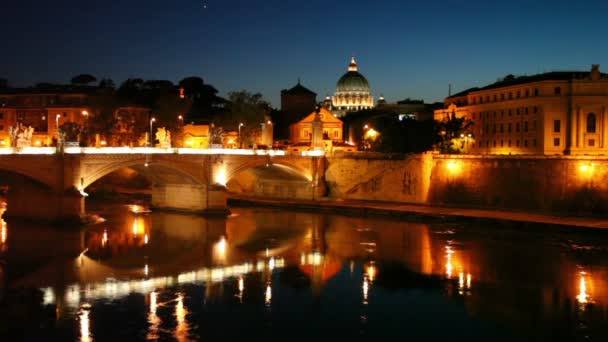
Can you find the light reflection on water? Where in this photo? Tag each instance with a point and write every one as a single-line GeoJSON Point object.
{"type": "Point", "coordinates": [200, 267]}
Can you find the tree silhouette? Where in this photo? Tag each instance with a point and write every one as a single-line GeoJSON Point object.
{"type": "Point", "coordinates": [83, 79]}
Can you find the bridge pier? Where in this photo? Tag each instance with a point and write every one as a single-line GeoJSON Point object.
{"type": "Point", "coordinates": [45, 206]}
{"type": "Point", "coordinates": [191, 198]}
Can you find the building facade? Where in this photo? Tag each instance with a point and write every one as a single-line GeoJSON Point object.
{"type": "Point", "coordinates": [550, 113]}
{"type": "Point", "coordinates": [302, 131]}
{"type": "Point", "coordinates": [44, 111]}
{"type": "Point", "coordinates": [353, 92]}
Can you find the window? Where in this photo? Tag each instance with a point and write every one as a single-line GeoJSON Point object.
{"type": "Point", "coordinates": [510, 112]}
{"type": "Point", "coordinates": [1, 115]}
{"type": "Point", "coordinates": [534, 109]}
{"type": "Point", "coordinates": [494, 128]}
{"type": "Point", "coordinates": [336, 133]}
{"type": "Point", "coordinates": [488, 127]}
{"type": "Point", "coordinates": [534, 142]}
{"type": "Point", "coordinates": [557, 90]}
{"type": "Point", "coordinates": [502, 128]}
{"type": "Point", "coordinates": [305, 133]}
{"type": "Point", "coordinates": [518, 94]}
{"type": "Point", "coordinates": [527, 94]}
{"type": "Point", "coordinates": [502, 96]}
{"type": "Point", "coordinates": [502, 113]}
{"type": "Point", "coordinates": [557, 126]}
{"type": "Point", "coordinates": [534, 124]}
{"type": "Point", "coordinates": [509, 128]}
{"type": "Point", "coordinates": [1, 127]}
{"type": "Point", "coordinates": [517, 111]}
{"type": "Point", "coordinates": [517, 127]}
{"type": "Point", "coordinates": [501, 143]}
{"type": "Point", "coordinates": [509, 143]}
{"type": "Point", "coordinates": [535, 91]}
{"type": "Point", "coordinates": [510, 96]}
{"type": "Point", "coordinates": [591, 142]}
{"type": "Point", "coordinates": [526, 110]}
{"type": "Point", "coordinates": [555, 141]}
{"type": "Point", "coordinates": [494, 97]}
{"type": "Point", "coordinates": [525, 126]}
{"type": "Point", "coordinates": [591, 123]}
{"type": "Point", "coordinates": [487, 98]}
{"type": "Point", "coordinates": [526, 143]}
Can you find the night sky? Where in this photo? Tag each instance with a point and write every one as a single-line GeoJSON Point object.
{"type": "Point", "coordinates": [404, 48]}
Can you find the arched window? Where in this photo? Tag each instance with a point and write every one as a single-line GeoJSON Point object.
{"type": "Point", "coordinates": [591, 123]}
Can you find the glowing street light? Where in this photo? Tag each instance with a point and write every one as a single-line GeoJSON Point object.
{"type": "Point", "coordinates": [240, 140]}
{"type": "Point", "coordinates": [152, 121]}
{"type": "Point", "coordinates": [180, 119]}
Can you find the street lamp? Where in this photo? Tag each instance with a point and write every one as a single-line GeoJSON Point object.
{"type": "Point", "coordinates": [180, 119]}
{"type": "Point", "coordinates": [240, 140]}
{"type": "Point", "coordinates": [152, 120]}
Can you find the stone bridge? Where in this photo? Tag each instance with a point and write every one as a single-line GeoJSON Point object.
{"type": "Point", "coordinates": [50, 186]}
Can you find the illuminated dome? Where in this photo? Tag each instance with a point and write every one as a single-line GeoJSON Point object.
{"type": "Point", "coordinates": [352, 91]}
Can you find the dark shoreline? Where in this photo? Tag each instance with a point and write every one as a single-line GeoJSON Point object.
{"type": "Point", "coordinates": [428, 215]}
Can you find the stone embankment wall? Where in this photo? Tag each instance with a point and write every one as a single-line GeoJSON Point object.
{"type": "Point", "coordinates": [546, 183]}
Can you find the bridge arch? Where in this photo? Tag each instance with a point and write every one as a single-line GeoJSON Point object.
{"type": "Point", "coordinates": [185, 172]}
{"type": "Point", "coordinates": [44, 173]}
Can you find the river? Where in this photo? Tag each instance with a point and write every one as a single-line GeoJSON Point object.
{"type": "Point", "coordinates": [277, 274]}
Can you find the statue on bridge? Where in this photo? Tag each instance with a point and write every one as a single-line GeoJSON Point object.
{"type": "Point", "coordinates": [21, 136]}
{"type": "Point", "coordinates": [164, 137]}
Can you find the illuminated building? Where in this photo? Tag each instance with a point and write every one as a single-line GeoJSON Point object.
{"type": "Point", "coordinates": [550, 113]}
{"type": "Point", "coordinates": [353, 92]}
{"type": "Point", "coordinates": [196, 136]}
{"type": "Point", "coordinates": [302, 131]}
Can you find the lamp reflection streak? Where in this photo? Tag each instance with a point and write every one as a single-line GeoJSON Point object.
{"type": "Point", "coordinates": [85, 324]}
{"type": "Point", "coordinates": [181, 330]}
{"type": "Point", "coordinates": [153, 318]}
{"type": "Point", "coordinates": [583, 297]}
{"type": "Point", "coordinates": [268, 294]}
{"type": "Point", "coordinates": [112, 288]}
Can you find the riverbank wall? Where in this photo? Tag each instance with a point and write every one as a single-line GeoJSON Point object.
{"type": "Point", "coordinates": [576, 185]}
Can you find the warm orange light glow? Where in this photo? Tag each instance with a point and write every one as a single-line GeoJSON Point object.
{"type": "Point", "coordinates": [146, 270]}
{"type": "Point", "coordinates": [219, 249]}
{"type": "Point", "coordinates": [104, 239]}
{"type": "Point", "coordinates": [448, 263]}
{"type": "Point", "coordinates": [85, 324]}
{"type": "Point", "coordinates": [38, 143]}
{"type": "Point", "coordinates": [241, 285]}
{"type": "Point", "coordinates": [268, 294]}
{"type": "Point", "coordinates": [103, 143]}
{"type": "Point", "coordinates": [585, 170]}
{"type": "Point", "coordinates": [85, 113]}
{"type": "Point", "coordinates": [153, 319]}
{"type": "Point", "coordinates": [3, 231]}
{"type": "Point", "coordinates": [583, 296]}
{"type": "Point", "coordinates": [139, 226]}
{"type": "Point", "coordinates": [146, 239]}
{"type": "Point", "coordinates": [220, 176]}
{"type": "Point", "coordinates": [365, 288]}
{"type": "Point", "coordinates": [181, 330]}
{"type": "Point", "coordinates": [371, 271]}
{"type": "Point", "coordinates": [371, 134]}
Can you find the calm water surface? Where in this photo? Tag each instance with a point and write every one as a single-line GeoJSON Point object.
{"type": "Point", "coordinates": [276, 274]}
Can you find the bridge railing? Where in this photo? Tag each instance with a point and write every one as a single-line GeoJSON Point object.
{"type": "Point", "coordinates": [153, 150]}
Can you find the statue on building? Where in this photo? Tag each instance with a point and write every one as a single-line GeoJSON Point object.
{"type": "Point", "coordinates": [316, 142]}
{"type": "Point", "coordinates": [164, 137]}
{"type": "Point", "coordinates": [20, 135]}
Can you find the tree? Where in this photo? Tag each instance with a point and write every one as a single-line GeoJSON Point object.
{"type": "Point", "coordinates": [102, 119]}
{"type": "Point", "coordinates": [71, 131]}
{"type": "Point", "coordinates": [205, 104]}
{"type": "Point", "coordinates": [451, 132]}
{"type": "Point", "coordinates": [107, 83]}
{"type": "Point", "coordinates": [83, 79]}
{"type": "Point", "coordinates": [244, 108]}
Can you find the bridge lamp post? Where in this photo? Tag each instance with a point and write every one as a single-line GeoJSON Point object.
{"type": "Point", "coordinates": [152, 120]}
{"type": "Point", "coordinates": [240, 140]}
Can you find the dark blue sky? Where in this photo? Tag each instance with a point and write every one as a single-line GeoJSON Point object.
{"type": "Point", "coordinates": [404, 48]}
